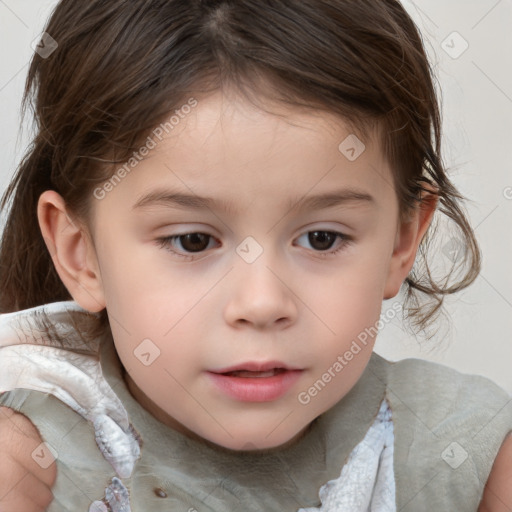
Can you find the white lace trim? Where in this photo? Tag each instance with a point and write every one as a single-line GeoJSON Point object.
{"type": "Point", "coordinates": [366, 482]}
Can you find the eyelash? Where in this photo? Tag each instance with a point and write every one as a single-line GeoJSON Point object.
{"type": "Point", "coordinates": [166, 243]}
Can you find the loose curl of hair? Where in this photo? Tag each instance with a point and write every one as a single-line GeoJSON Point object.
{"type": "Point", "coordinates": [121, 67]}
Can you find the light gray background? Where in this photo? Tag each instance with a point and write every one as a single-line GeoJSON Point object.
{"type": "Point", "coordinates": [477, 112]}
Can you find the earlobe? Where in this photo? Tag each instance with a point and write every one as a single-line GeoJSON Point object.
{"type": "Point", "coordinates": [72, 252]}
{"type": "Point", "coordinates": [408, 238]}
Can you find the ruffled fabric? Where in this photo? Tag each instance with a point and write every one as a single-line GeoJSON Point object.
{"type": "Point", "coordinates": [30, 359]}
{"type": "Point", "coordinates": [366, 482]}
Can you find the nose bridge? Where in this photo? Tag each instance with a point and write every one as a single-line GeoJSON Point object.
{"type": "Point", "coordinates": [259, 294]}
{"type": "Point", "coordinates": [259, 260]}
{"type": "Point", "coordinates": [253, 266]}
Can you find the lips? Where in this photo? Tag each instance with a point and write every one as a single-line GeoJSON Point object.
{"type": "Point", "coordinates": [255, 381]}
{"type": "Point", "coordinates": [247, 373]}
{"type": "Point", "coordinates": [255, 367]}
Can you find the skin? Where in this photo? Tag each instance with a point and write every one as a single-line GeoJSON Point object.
{"type": "Point", "coordinates": [497, 495]}
{"type": "Point", "coordinates": [296, 303]}
{"type": "Point", "coordinates": [24, 484]}
{"type": "Point", "coordinates": [286, 305]}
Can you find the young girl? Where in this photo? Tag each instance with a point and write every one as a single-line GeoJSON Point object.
{"type": "Point", "coordinates": [218, 199]}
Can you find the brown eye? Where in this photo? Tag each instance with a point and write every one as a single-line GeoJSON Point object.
{"type": "Point", "coordinates": [190, 243]}
{"type": "Point", "coordinates": [322, 240]}
{"type": "Point", "coordinates": [194, 242]}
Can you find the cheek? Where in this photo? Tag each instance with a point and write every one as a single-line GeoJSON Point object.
{"type": "Point", "coordinates": [159, 364]}
{"type": "Point", "coordinates": [147, 302]}
{"type": "Point", "coordinates": [132, 280]}
{"type": "Point", "coordinates": [161, 322]}
{"type": "Point", "coordinates": [348, 300]}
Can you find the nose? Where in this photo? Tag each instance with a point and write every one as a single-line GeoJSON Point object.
{"type": "Point", "coordinates": [260, 296]}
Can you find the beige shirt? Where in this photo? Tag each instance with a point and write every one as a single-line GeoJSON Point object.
{"type": "Point", "coordinates": [448, 428]}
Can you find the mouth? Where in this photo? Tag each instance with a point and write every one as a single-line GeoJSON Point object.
{"type": "Point", "coordinates": [255, 381]}
{"type": "Point", "coordinates": [253, 374]}
{"type": "Point", "coordinates": [256, 367]}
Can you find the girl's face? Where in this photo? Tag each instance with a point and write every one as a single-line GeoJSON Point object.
{"type": "Point", "coordinates": [293, 242]}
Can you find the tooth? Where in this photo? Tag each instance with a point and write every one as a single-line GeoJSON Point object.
{"type": "Point", "coordinates": [246, 373]}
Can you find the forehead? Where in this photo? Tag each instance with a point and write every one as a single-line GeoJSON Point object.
{"type": "Point", "coordinates": [231, 117]}
{"type": "Point", "coordinates": [227, 149]}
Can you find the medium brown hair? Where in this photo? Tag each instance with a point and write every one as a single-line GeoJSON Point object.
{"type": "Point", "coordinates": [121, 67]}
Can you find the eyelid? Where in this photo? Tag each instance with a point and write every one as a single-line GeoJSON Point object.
{"type": "Point", "coordinates": [345, 240]}
{"type": "Point", "coordinates": [165, 242]}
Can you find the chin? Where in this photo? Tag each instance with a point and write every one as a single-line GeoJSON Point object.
{"type": "Point", "coordinates": [256, 441]}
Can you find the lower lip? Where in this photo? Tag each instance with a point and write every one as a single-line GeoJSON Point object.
{"type": "Point", "coordinates": [256, 389]}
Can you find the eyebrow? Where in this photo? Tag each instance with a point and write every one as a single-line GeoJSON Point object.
{"type": "Point", "coordinates": [179, 199]}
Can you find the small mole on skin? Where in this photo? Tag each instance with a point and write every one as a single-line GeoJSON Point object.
{"type": "Point", "coordinates": [160, 492]}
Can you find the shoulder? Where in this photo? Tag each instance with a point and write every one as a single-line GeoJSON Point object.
{"type": "Point", "coordinates": [440, 387]}
{"type": "Point", "coordinates": [497, 495]}
{"type": "Point", "coordinates": [447, 420]}
{"type": "Point", "coordinates": [446, 401]}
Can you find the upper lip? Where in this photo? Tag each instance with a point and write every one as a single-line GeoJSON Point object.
{"type": "Point", "coordinates": [256, 366]}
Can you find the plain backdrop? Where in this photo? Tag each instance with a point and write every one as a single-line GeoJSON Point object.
{"type": "Point", "coordinates": [470, 48]}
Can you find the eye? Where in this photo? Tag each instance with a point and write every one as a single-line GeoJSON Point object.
{"type": "Point", "coordinates": [190, 242]}
{"type": "Point", "coordinates": [321, 241]}
{"type": "Point", "coordinates": [193, 243]}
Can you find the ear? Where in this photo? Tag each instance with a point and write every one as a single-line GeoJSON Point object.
{"type": "Point", "coordinates": [408, 238]}
{"type": "Point", "coordinates": [72, 252]}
